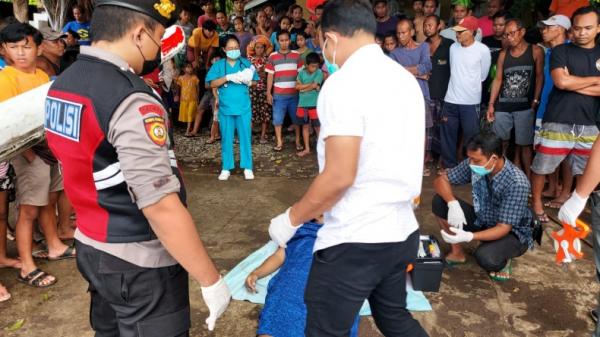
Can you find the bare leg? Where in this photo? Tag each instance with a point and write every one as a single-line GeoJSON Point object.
{"type": "Point", "coordinates": [279, 140]}
{"type": "Point", "coordinates": [456, 250]}
{"type": "Point", "coordinates": [305, 135]}
{"type": "Point", "coordinates": [214, 131]}
{"type": "Point", "coordinates": [297, 130]}
{"type": "Point", "coordinates": [47, 219]}
{"type": "Point", "coordinates": [317, 131]}
{"type": "Point", "coordinates": [263, 131]}
{"type": "Point", "coordinates": [537, 185]}
{"type": "Point", "coordinates": [553, 191]}
{"type": "Point", "coordinates": [567, 185]}
{"type": "Point", "coordinates": [526, 158]}
{"type": "Point", "coordinates": [4, 260]}
{"type": "Point", "coordinates": [197, 122]}
{"type": "Point", "coordinates": [65, 229]}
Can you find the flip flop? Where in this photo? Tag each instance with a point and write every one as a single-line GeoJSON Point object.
{"type": "Point", "coordinates": [35, 279]}
{"type": "Point", "coordinates": [69, 253]}
{"type": "Point", "coordinates": [277, 148]}
{"type": "Point", "coordinates": [504, 274]}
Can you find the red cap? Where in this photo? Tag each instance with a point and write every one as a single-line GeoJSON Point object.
{"type": "Point", "coordinates": [467, 23]}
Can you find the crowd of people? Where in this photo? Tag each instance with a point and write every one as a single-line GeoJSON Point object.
{"type": "Point", "coordinates": [511, 114]}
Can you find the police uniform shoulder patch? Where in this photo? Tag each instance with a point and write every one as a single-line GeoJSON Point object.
{"type": "Point", "coordinates": [63, 118]}
{"type": "Point", "coordinates": [156, 129]}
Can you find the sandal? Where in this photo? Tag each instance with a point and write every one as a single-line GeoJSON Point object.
{"type": "Point", "coordinates": [542, 217]}
{"type": "Point", "coordinates": [263, 141]}
{"type": "Point", "coordinates": [278, 148]}
{"type": "Point", "coordinates": [36, 279]}
{"type": "Point", "coordinates": [504, 274]}
{"type": "Point", "coordinates": [69, 253]}
{"type": "Point", "coordinates": [299, 148]}
{"type": "Point", "coordinates": [211, 141]}
{"type": "Point", "coordinates": [42, 254]}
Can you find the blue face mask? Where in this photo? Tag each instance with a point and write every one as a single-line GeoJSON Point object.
{"type": "Point", "coordinates": [233, 54]}
{"type": "Point", "coordinates": [331, 67]}
{"type": "Point", "coordinates": [481, 170]}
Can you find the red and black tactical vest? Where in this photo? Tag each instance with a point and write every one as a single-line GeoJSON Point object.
{"type": "Point", "coordinates": [79, 107]}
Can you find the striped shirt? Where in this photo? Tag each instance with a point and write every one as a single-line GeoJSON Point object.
{"type": "Point", "coordinates": [285, 68]}
{"type": "Point", "coordinates": [3, 170]}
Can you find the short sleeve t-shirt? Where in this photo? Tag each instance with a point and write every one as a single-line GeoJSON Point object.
{"type": "Point", "coordinates": [440, 70]}
{"type": "Point", "coordinates": [567, 7]}
{"type": "Point", "coordinates": [15, 82]}
{"type": "Point", "coordinates": [384, 27]}
{"type": "Point", "coordinates": [234, 98]}
{"type": "Point", "coordinates": [284, 68]}
{"type": "Point", "coordinates": [569, 107]}
{"type": "Point", "coordinates": [308, 99]}
{"type": "Point", "coordinates": [81, 28]}
{"type": "Point", "coordinates": [198, 40]}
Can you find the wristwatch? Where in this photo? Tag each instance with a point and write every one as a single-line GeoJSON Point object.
{"type": "Point", "coordinates": [536, 101]}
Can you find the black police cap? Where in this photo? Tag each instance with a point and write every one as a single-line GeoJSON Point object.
{"type": "Point", "coordinates": [162, 11]}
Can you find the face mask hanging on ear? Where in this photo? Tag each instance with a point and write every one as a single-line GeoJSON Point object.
{"type": "Point", "coordinates": [332, 67]}
{"type": "Point", "coordinates": [150, 65]}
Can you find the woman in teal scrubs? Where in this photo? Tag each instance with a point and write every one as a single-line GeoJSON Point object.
{"type": "Point", "coordinates": [233, 76]}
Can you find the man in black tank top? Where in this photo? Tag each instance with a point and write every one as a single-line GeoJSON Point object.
{"type": "Point", "coordinates": [516, 92]}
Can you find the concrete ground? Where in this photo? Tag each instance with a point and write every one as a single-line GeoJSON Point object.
{"type": "Point", "coordinates": [543, 299]}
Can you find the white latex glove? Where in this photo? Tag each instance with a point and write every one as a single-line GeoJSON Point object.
{"type": "Point", "coordinates": [246, 76]}
{"type": "Point", "coordinates": [459, 237]}
{"type": "Point", "coordinates": [235, 78]}
{"type": "Point", "coordinates": [281, 229]}
{"type": "Point", "coordinates": [456, 216]}
{"type": "Point", "coordinates": [571, 209]}
{"type": "Point", "coordinates": [216, 297]}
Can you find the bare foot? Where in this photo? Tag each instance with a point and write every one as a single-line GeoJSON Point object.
{"type": "Point", "coordinates": [4, 294]}
{"type": "Point", "coordinates": [303, 153]}
{"type": "Point", "coordinates": [6, 262]}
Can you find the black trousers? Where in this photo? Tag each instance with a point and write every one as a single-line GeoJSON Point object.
{"type": "Point", "coordinates": [490, 255]}
{"type": "Point", "coordinates": [132, 301]}
{"type": "Point", "coordinates": [343, 276]}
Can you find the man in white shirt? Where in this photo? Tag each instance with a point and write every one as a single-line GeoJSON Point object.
{"type": "Point", "coordinates": [366, 184]}
{"type": "Point", "coordinates": [470, 62]}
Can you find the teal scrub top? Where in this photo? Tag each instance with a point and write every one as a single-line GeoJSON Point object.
{"type": "Point", "coordinates": [234, 99]}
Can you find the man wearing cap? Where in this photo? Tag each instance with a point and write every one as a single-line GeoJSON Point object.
{"type": "Point", "coordinates": [135, 240]}
{"type": "Point", "coordinates": [570, 123]}
{"type": "Point", "coordinates": [460, 10]}
{"type": "Point", "coordinates": [470, 62]}
{"type": "Point", "coordinates": [516, 92]}
{"type": "Point", "coordinates": [52, 49]}
{"type": "Point", "coordinates": [554, 33]}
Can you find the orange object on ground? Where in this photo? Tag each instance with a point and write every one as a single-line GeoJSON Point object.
{"type": "Point", "coordinates": [568, 241]}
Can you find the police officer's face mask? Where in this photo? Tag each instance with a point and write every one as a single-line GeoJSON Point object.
{"type": "Point", "coordinates": [150, 65]}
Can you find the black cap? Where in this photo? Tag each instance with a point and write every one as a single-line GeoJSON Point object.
{"type": "Point", "coordinates": [162, 11]}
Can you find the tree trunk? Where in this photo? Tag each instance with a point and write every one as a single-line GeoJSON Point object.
{"type": "Point", "coordinates": [57, 12]}
{"type": "Point", "coordinates": [21, 9]}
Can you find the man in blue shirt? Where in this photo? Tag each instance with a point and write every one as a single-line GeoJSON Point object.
{"type": "Point", "coordinates": [499, 217]}
{"type": "Point", "coordinates": [81, 25]}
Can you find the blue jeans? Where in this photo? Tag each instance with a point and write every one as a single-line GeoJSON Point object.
{"type": "Point", "coordinates": [284, 105]}
{"type": "Point", "coordinates": [455, 117]}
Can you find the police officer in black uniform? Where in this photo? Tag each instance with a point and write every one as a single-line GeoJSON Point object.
{"type": "Point", "coordinates": [136, 242]}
